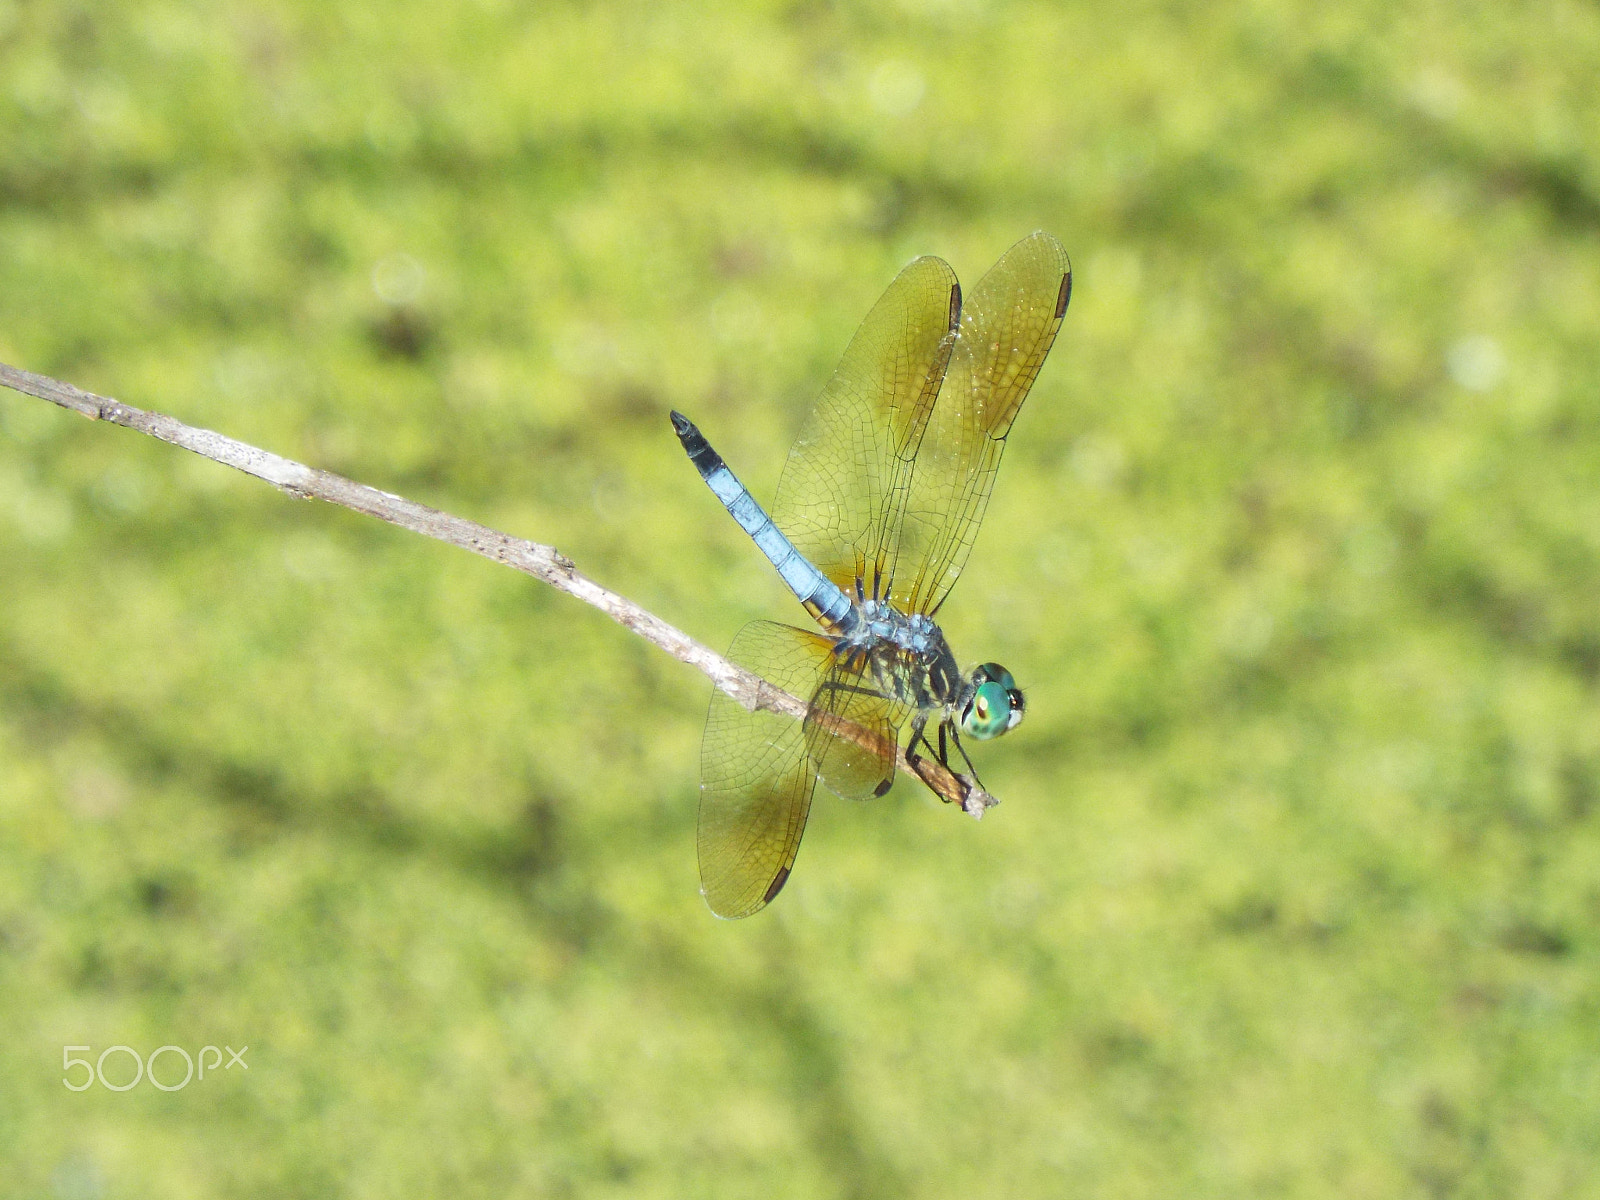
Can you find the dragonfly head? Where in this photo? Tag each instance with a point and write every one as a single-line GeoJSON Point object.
{"type": "Point", "coordinates": [991, 702]}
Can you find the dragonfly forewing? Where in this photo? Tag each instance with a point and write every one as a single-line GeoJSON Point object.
{"type": "Point", "coordinates": [845, 482]}
{"type": "Point", "coordinates": [1008, 324]}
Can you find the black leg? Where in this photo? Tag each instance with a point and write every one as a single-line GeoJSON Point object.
{"type": "Point", "coordinates": [955, 737]}
{"type": "Point", "coordinates": [829, 685]}
{"type": "Point", "coordinates": [852, 688]}
{"type": "Point", "coordinates": [912, 757]}
{"type": "Point", "coordinates": [919, 734]}
{"type": "Point", "coordinates": [914, 760]}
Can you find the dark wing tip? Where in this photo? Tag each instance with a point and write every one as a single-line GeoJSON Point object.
{"type": "Point", "coordinates": [1064, 295]}
{"type": "Point", "coordinates": [955, 306]}
{"type": "Point", "coordinates": [776, 885]}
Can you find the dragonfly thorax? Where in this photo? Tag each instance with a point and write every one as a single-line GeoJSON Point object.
{"type": "Point", "coordinates": [880, 621]}
{"type": "Point", "coordinates": [909, 655]}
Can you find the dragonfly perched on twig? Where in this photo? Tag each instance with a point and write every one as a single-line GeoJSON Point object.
{"type": "Point", "coordinates": [876, 512]}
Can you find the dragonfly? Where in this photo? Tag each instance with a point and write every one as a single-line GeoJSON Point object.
{"type": "Point", "coordinates": [877, 509]}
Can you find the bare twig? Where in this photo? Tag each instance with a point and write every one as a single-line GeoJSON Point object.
{"type": "Point", "coordinates": [531, 558]}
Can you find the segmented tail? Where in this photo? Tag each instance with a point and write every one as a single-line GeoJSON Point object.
{"type": "Point", "coordinates": [816, 591]}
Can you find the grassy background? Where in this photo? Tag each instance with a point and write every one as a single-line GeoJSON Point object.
{"type": "Point", "coordinates": [1297, 548]}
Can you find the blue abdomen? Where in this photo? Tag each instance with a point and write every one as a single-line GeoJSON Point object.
{"type": "Point", "coordinates": [815, 590]}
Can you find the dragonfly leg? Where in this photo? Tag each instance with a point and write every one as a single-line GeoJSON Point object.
{"type": "Point", "coordinates": [972, 771]}
{"type": "Point", "coordinates": [912, 757]}
{"type": "Point", "coordinates": [852, 663]}
{"type": "Point", "coordinates": [916, 761]}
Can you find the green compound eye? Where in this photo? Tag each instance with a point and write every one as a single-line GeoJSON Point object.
{"type": "Point", "coordinates": [995, 703]}
{"type": "Point", "coordinates": [989, 714]}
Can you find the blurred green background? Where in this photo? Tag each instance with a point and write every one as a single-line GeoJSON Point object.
{"type": "Point", "coordinates": [1295, 886]}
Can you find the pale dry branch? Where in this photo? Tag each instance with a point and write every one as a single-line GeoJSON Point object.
{"type": "Point", "coordinates": [531, 558]}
